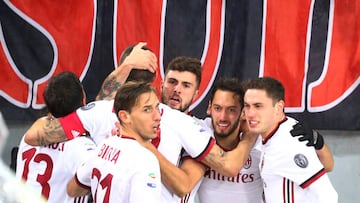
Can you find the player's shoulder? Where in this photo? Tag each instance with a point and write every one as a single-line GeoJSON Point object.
{"type": "Point", "coordinates": [147, 156]}
{"type": "Point", "coordinates": [285, 126]}
{"type": "Point", "coordinates": [290, 121]}
{"type": "Point", "coordinates": [97, 105]}
{"type": "Point", "coordinates": [80, 143]}
{"type": "Point", "coordinates": [169, 114]}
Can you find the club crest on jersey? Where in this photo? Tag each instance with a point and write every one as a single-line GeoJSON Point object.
{"type": "Point", "coordinates": [301, 160]}
{"type": "Point", "coordinates": [88, 106]}
{"type": "Point", "coordinates": [248, 163]}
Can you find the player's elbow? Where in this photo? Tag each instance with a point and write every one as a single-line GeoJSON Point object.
{"type": "Point", "coordinates": [30, 139]}
{"type": "Point", "coordinates": [329, 167]}
{"type": "Point", "coordinates": [181, 194]}
{"type": "Point", "coordinates": [69, 189]}
{"type": "Point", "coordinates": [74, 190]}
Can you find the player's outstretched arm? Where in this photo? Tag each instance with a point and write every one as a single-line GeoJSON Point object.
{"type": "Point", "coordinates": [75, 190]}
{"type": "Point", "coordinates": [138, 58]}
{"type": "Point", "coordinates": [181, 180]}
{"type": "Point", "coordinates": [44, 131]}
{"type": "Point", "coordinates": [229, 163]}
{"type": "Point", "coordinates": [326, 158]}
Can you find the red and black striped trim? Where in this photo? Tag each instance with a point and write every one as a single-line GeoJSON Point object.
{"type": "Point", "coordinates": [288, 191]}
{"type": "Point", "coordinates": [264, 140]}
{"type": "Point", "coordinates": [206, 151]}
{"type": "Point", "coordinates": [313, 178]}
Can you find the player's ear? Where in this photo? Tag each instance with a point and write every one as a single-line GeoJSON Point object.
{"type": "Point", "coordinates": [208, 111]}
{"type": "Point", "coordinates": [162, 85]}
{"type": "Point", "coordinates": [123, 116]}
{"type": "Point", "coordinates": [196, 93]}
{"type": "Point", "coordinates": [280, 105]}
{"type": "Point", "coordinates": [84, 98]}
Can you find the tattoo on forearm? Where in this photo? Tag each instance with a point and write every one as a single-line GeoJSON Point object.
{"type": "Point", "coordinates": [109, 86]}
{"type": "Point", "coordinates": [214, 158]}
{"type": "Point", "coordinates": [40, 140]}
{"type": "Point", "coordinates": [53, 133]}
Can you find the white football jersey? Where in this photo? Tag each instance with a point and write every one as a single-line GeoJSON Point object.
{"type": "Point", "coordinates": [178, 131]}
{"type": "Point", "coordinates": [122, 171]}
{"type": "Point", "coordinates": [48, 169]}
{"type": "Point", "coordinates": [289, 168]}
{"type": "Point", "coordinates": [245, 187]}
{"type": "Point", "coordinates": [96, 117]}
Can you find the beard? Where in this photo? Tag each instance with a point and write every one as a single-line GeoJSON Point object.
{"type": "Point", "coordinates": [225, 134]}
{"type": "Point", "coordinates": [185, 107]}
{"type": "Point", "coordinates": [182, 108]}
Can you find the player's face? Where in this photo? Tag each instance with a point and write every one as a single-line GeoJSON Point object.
{"type": "Point", "coordinates": [179, 90]}
{"type": "Point", "coordinates": [225, 113]}
{"type": "Point", "coordinates": [260, 111]}
{"type": "Point", "coordinates": [145, 116]}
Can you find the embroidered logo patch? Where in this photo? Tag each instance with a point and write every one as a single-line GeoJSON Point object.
{"type": "Point", "coordinates": [151, 181]}
{"type": "Point", "coordinates": [301, 160]}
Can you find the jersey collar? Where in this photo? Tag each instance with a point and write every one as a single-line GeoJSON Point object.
{"type": "Point", "coordinates": [264, 140]}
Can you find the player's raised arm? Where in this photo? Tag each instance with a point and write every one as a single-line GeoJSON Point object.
{"type": "Point", "coordinates": [132, 57]}
{"type": "Point", "coordinates": [44, 131]}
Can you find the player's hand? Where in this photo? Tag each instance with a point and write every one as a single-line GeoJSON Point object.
{"type": "Point", "coordinates": [244, 128]}
{"type": "Point", "coordinates": [142, 59]}
{"type": "Point", "coordinates": [306, 134]}
{"type": "Point", "coordinates": [246, 134]}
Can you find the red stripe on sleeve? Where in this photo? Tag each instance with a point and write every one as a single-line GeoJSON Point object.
{"type": "Point", "coordinates": [313, 178]}
{"type": "Point", "coordinates": [207, 150]}
{"type": "Point", "coordinates": [72, 125]}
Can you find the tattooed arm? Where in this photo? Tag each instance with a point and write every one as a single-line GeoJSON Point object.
{"type": "Point", "coordinates": [138, 58]}
{"type": "Point", "coordinates": [229, 163]}
{"type": "Point", "coordinates": [44, 131]}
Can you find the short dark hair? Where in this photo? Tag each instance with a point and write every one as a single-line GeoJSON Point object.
{"type": "Point", "coordinates": [231, 85]}
{"type": "Point", "coordinates": [63, 94]}
{"type": "Point", "coordinates": [137, 75]}
{"type": "Point", "coordinates": [184, 63]}
{"type": "Point", "coordinates": [128, 94]}
{"type": "Point", "coordinates": [273, 88]}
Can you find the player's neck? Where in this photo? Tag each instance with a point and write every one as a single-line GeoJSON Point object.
{"type": "Point", "coordinates": [229, 142]}
{"type": "Point", "coordinates": [132, 134]}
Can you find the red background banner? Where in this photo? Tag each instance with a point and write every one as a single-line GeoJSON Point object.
{"type": "Point", "coordinates": [312, 47]}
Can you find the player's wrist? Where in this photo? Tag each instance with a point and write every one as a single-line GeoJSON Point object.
{"type": "Point", "coordinates": [318, 140]}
